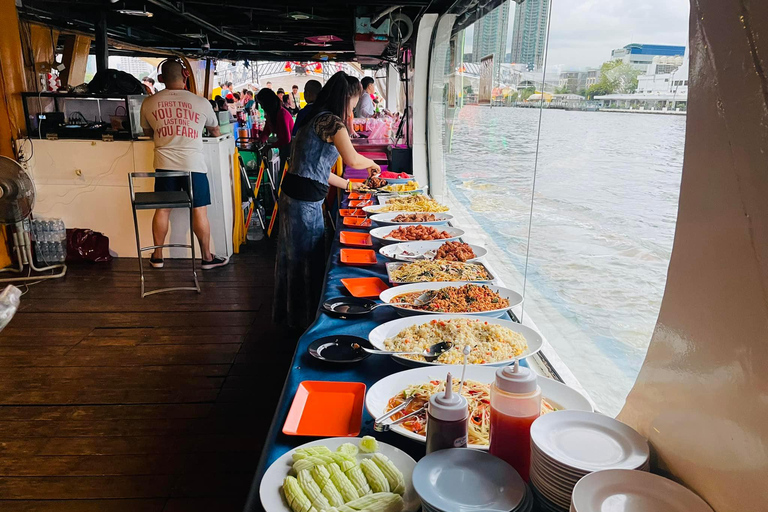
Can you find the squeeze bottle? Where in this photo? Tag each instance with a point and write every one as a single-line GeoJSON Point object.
{"type": "Point", "coordinates": [447, 419]}
{"type": "Point", "coordinates": [515, 404]}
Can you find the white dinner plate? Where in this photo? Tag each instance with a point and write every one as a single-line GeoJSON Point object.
{"type": "Point", "coordinates": [387, 295]}
{"type": "Point", "coordinates": [623, 490]}
{"type": "Point", "coordinates": [378, 395]}
{"type": "Point", "coordinates": [380, 234]}
{"type": "Point", "coordinates": [468, 481]}
{"type": "Point", "coordinates": [393, 327]}
{"type": "Point", "coordinates": [589, 441]}
{"type": "Point", "coordinates": [414, 251]}
{"type": "Point", "coordinates": [376, 207]}
{"type": "Point", "coordinates": [394, 265]}
{"type": "Point", "coordinates": [385, 219]}
{"type": "Point", "coordinates": [270, 490]}
{"type": "Point", "coordinates": [385, 197]}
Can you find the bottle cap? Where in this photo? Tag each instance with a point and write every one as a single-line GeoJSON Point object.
{"type": "Point", "coordinates": [516, 379]}
{"type": "Point", "coordinates": [448, 406]}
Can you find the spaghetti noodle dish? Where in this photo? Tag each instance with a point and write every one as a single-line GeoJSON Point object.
{"type": "Point", "coordinates": [419, 203]}
{"type": "Point", "coordinates": [489, 342]}
{"type": "Point", "coordinates": [478, 397]}
{"type": "Point", "coordinates": [439, 270]}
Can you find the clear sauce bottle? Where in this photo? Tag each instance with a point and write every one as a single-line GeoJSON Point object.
{"type": "Point", "coordinates": [447, 419]}
{"type": "Point", "coordinates": [515, 404]}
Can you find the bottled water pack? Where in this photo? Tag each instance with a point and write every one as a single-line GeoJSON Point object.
{"type": "Point", "coordinates": [50, 237]}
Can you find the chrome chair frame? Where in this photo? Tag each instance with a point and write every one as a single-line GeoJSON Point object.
{"type": "Point", "coordinates": [187, 203]}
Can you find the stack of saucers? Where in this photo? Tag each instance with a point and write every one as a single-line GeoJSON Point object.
{"type": "Point", "coordinates": [623, 490]}
{"type": "Point", "coordinates": [464, 480]}
{"type": "Point", "coordinates": [567, 445]}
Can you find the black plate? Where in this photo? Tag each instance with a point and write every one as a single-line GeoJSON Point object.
{"type": "Point", "coordinates": [352, 307]}
{"type": "Point", "coordinates": [338, 349]}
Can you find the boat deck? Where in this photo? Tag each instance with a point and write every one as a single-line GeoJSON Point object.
{"type": "Point", "coordinates": [113, 402]}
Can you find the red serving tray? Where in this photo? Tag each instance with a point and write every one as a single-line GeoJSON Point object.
{"type": "Point", "coordinates": [326, 409]}
{"type": "Point", "coordinates": [347, 212]}
{"type": "Point", "coordinates": [355, 239]}
{"type": "Point", "coordinates": [358, 257]}
{"type": "Point", "coordinates": [358, 222]}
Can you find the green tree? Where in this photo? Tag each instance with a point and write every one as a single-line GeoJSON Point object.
{"type": "Point", "coordinates": [527, 92]}
{"type": "Point", "coordinates": [598, 89]}
{"type": "Point", "coordinates": [562, 90]}
{"type": "Point", "coordinates": [616, 76]}
{"type": "Point", "coordinates": [512, 96]}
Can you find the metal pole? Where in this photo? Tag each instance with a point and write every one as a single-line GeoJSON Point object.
{"type": "Point", "coordinates": [102, 51]}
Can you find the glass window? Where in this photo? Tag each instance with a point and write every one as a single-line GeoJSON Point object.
{"type": "Point", "coordinates": [576, 205]}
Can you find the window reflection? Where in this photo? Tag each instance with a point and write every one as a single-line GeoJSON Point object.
{"type": "Point", "coordinates": [592, 249]}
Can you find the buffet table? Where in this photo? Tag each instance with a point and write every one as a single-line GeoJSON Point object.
{"type": "Point", "coordinates": [305, 367]}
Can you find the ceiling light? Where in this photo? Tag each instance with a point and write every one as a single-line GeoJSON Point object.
{"type": "Point", "coordinates": [268, 31]}
{"type": "Point", "coordinates": [135, 12]}
{"type": "Point", "coordinates": [301, 16]}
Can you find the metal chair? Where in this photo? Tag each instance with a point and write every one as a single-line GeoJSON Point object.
{"type": "Point", "coordinates": [158, 200]}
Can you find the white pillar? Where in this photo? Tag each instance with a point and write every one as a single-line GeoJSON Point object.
{"type": "Point", "coordinates": [420, 97]}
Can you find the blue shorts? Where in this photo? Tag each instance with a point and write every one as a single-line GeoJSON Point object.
{"type": "Point", "coordinates": [201, 192]}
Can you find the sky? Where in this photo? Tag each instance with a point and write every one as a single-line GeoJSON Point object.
{"type": "Point", "coordinates": [583, 32]}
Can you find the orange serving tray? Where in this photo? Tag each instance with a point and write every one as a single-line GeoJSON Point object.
{"type": "Point", "coordinates": [359, 195]}
{"type": "Point", "coordinates": [364, 286]}
{"type": "Point", "coordinates": [326, 409]}
{"type": "Point", "coordinates": [358, 257]}
{"type": "Point", "coordinates": [347, 212]}
{"type": "Point", "coordinates": [360, 203]}
{"type": "Point", "coordinates": [355, 239]}
{"type": "Point", "coordinates": [357, 180]}
{"type": "Point", "coordinates": [357, 222]}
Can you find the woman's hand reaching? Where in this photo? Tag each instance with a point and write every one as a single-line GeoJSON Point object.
{"type": "Point", "coordinates": [374, 170]}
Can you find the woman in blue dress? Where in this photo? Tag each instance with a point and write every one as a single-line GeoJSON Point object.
{"type": "Point", "coordinates": [321, 138]}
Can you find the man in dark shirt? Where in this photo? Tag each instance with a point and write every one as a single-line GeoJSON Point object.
{"type": "Point", "coordinates": [311, 90]}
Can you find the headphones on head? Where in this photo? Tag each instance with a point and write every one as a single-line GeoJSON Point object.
{"type": "Point", "coordinates": [184, 71]}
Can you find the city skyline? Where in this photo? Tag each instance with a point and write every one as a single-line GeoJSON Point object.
{"type": "Point", "coordinates": [529, 33]}
{"type": "Point", "coordinates": [490, 36]}
{"type": "Point", "coordinates": [584, 32]}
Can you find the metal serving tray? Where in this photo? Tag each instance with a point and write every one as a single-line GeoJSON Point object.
{"type": "Point", "coordinates": [391, 266]}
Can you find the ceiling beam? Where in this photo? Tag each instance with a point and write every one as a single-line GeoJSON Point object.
{"type": "Point", "coordinates": [168, 6]}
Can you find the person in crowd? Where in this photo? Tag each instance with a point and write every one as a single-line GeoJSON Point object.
{"type": "Point", "coordinates": [280, 94]}
{"type": "Point", "coordinates": [278, 122]}
{"type": "Point", "coordinates": [224, 90]}
{"type": "Point", "coordinates": [249, 104]}
{"type": "Point", "coordinates": [238, 98]}
{"type": "Point", "coordinates": [366, 107]}
{"type": "Point", "coordinates": [232, 105]}
{"type": "Point", "coordinates": [321, 138]}
{"type": "Point", "coordinates": [311, 90]}
{"type": "Point", "coordinates": [269, 85]}
{"type": "Point", "coordinates": [179, 147]}
{"type": "Point", "coordinates": [149, 84]}
{"type": "Point", "coordinates": [294, 100]}
{"type": "Point", "coordinates": [221, 104]}
{"type": "Point", "coordinates": [354, 83]}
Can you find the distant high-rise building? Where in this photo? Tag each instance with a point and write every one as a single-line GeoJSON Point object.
{"type": "Point", "coordinates": [490, 36]}
{"type": "Point", "coordinates": [529, 33]}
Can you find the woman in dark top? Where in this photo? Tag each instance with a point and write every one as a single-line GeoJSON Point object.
{"type": "Point", "coordinates": [278, 122]}
{"type": "Point", "coordinates": [320, 139]}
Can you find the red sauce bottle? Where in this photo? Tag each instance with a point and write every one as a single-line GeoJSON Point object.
{"type": "Point", "coordinates": [515, 404]}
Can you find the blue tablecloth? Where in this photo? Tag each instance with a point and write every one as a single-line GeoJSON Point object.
{"type": "Point", "coordinates": [305, 367]}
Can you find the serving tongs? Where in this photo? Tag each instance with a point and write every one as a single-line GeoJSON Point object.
{"type": "Point", "coordinates": [379, 426]}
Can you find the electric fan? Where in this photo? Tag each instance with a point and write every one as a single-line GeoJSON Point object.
{"type": "Point", "coordinates": [17, 198]}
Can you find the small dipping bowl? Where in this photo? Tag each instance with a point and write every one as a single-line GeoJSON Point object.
{"type": "Point", "coordinates": [338, 349]}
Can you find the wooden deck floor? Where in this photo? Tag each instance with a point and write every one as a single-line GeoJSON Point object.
{"type": "Point", "coordinates": [116, 403]}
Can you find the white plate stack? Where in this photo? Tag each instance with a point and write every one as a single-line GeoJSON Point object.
{"type": "Point", "coordinates": [624, 490]}
{"type": "Point", "coordinates": [466, 480]}
{"type": "Point", "coordinates": [568, 445]}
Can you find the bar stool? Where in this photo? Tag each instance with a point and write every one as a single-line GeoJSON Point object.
{"type": "Point", "coordinates": [157, 200]}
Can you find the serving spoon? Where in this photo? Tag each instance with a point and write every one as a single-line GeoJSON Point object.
{"type": "Point", "coordinates": [429, 355]}
{"type": "Point", "coordinates": [422, 300]}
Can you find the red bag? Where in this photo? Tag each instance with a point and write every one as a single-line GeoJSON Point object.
{"type": "Point", "coordinates": [87, 245]}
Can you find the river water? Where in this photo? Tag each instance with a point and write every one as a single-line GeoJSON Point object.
{"type": "Point", "coordinates": [604, 214]}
